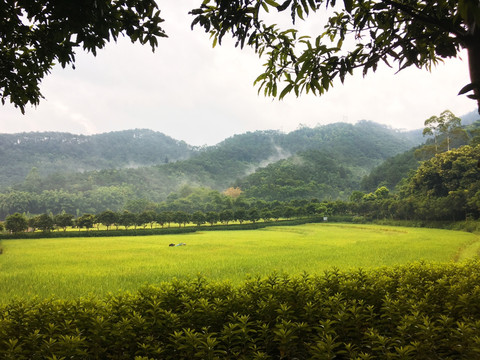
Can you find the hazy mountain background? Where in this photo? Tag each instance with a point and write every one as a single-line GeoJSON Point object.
{"type": "Point", "coordinates": [93, 173]}
{"type": "Point", "coordinates": [52, 152]}
{"type": "Point", "coordinates": [143, 156]}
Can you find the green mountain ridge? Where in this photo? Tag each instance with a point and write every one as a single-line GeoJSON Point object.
{"type": "Point", "coordinates": [334, 158]}
{"type": "Point", "coordinates": [52, 152]}
{"type": "Point", "coordinates": [308, 174]}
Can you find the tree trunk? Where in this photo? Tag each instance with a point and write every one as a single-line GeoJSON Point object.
{"type": "Point", "coordinates": [473, 47]}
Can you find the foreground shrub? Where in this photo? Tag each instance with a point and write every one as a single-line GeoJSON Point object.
{"type": "Point", "coordinates": [408, 312]}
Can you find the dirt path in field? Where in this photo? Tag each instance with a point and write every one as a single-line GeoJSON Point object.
{"type": "Point", "coordinates": [468, 250]}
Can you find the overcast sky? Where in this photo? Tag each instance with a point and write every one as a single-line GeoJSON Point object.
{"type": "Point", "coordinates": [192, 92]}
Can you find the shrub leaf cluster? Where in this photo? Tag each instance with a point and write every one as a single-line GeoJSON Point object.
{"type": "Point", "coordinates": [417, 311]}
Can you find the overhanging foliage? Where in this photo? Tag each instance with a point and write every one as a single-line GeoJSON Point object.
{"type": "Point", "coordinates": [359, 34]}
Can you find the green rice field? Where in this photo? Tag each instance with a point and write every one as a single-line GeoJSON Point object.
{"type": "Point", "coordinates": [76, 267]}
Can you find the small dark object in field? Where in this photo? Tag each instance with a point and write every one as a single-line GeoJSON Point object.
{"type": "Point", "coordinates": [171, 245]}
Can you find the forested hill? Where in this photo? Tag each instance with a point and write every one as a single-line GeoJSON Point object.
{"type": "Point", "coordinates": [53, 152]}
{"type": "Point", "coordinates": [364, 144]}
{"type": "Point", "coordinates": [393, 170]}
{"type": "Point", "coordinates": [329, 161]}
{"type": "Point", "coordinates": [324, 162]}
{"type": "Point", "coordinates": [359, 147]}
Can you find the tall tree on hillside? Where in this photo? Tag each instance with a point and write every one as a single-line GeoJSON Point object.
{"type": "Point", "coordinates": [382, 192]}
{"type": "Point", "coordinates": [447, 185]}
{"type": "Point", "coordinates": [359, 34]}
{"type": "Point", "coordinates": [447, 124]}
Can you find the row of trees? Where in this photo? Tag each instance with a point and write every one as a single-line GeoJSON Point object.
{"type": "Point", "coordinates": [126, 219]}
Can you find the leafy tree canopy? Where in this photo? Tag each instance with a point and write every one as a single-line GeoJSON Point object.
{"type": "Point", "coordinates": [455, 170]}
{"type": "Point", "coordinates": [44, 222]}
{"type": "Point", "coordinates": [358, 34]}
{"type": "Point", "coordinates": [447, 124]}
{"type": "Point", "coordinates": [37, 34]}
{"type": "Point", "coordinates": [16, 223]}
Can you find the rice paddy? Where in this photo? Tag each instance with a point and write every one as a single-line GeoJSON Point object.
{"type": "Point", "coordinates": [76, 267]}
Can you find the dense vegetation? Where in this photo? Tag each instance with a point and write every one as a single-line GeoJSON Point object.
{"type": "Point", "coordinates": [391, 172]}
{"type": "Point", "coordinates": [309, 174]}
{"type": "Point", "coordinates": [443, 188]}
{"type": "Point", "coordinates": [407, 312]}
{"type": "Point", "coordinates": [397, 168]}
{"type": "Point", "coordinates": [55, 188]}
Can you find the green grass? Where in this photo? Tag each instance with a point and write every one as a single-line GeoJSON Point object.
{"type": "Point", "coordinates": [69, 268]}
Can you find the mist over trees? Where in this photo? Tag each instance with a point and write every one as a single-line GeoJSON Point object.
{"type": "Point", "coordinates": [443, 188]}
{"type": "Point", "coordinates": [53, 153]}
{"type": "Point", "coordinates": [52, 186]}
{"type": "Point", "coordinates": [249, 172]}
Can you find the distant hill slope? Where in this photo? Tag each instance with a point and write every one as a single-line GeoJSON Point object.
{"type": "Point", "coordinates": [328, 162]}
{"type": "Point", "coordinates": [390, 172]}
{"type": "Point", "coordinates": [393, 170]}
{"type": "Point", "coordinates": [351, 150]}
{"type": "Point", "coordinates": [308, 174]}
{"type": "Point", "coordinates": [52, 152]}
{"type": "Point", "coordinates": [360, 147]}
{"type": "Point", "coordinates": [470, 117]}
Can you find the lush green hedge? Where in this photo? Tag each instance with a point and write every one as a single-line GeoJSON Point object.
{"type": "Point", "coordinates": [98, 233]}
{"type": "Point", "coordinates": [466, 225]}
{"type": "Point", "coordinates": [410, 312]}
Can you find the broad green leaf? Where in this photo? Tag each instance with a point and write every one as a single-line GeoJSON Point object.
{"type": "Point", "coordinates": [272, 3]}
{"type": "Point", "coordinates": [348, 5]}
{"type": "Point", "coordinates": [469, 87]}
{"type": "Point", "coordinates": [284, 6]}
{"type": "Point", "coordinates": [285, 91]}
